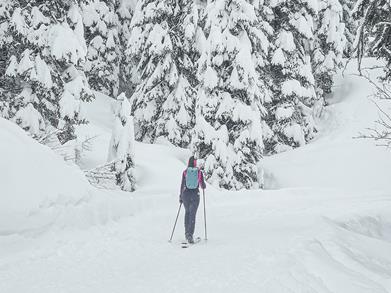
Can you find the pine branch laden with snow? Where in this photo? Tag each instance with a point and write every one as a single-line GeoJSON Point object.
{"type": "Point", "coordinates": [330, 42]}
{"type": "Point", "coordinates": [373, 36]}
{"type": "Point", "coordinates": [30, 120]}
{"type": "Point", "coordinates": [124, 11]}
{"type": "Point", "coordinates": [121, 149]}
{"type": "Point", "coordinates": [291, 114]}
{"type": "Point", "coordinates": [231, 99]}
{"type": "Point", "coordinates": [163, 101]}
{"type": "Point", "coordinates": [351, 25]}
{"type": "Point", "coordinates": [45, 48]}
{"type": "Point", "coordinates": [178, 110]}
{"type": "Point", "coordinates": [102, 176]}
{"type": "Point", "coordinates": [102, 28]}
{"type": "Point", "coordinates": [176, 121]}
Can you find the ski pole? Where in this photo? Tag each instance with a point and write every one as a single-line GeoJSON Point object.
{"type": "Point", "coordinates": [203, 192]}
{"type": "Point", "coordinates": [173, 229]}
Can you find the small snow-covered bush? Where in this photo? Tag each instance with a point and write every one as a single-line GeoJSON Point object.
{"type": "Point", "coordinates": [121, 149]}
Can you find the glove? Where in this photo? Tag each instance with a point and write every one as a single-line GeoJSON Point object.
{"type": "Point", "coordinates": [180, 200]}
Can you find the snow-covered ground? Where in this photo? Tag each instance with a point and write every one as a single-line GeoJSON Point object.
{"type": "Point", "coordinates": [324, 224]}
{"type": "Point", "coordinates": [337, 159]}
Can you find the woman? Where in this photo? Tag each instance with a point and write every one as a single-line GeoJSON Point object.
{"type": "Point", "coordinates": [192, 179]}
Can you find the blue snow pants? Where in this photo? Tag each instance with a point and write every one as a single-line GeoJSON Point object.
{"type": "Point", "coordinates": [191, 200]}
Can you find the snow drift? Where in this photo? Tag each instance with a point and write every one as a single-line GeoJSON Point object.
{"type": "Point", "coordinates": [33, 180]}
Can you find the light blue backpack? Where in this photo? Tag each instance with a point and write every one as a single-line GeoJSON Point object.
{"type": "Point", "coordinates": [192, 178]}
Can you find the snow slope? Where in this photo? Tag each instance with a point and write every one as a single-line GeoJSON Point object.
{"type": "Point", "coordinates": [33, 178]}
{"type": "Point", "coordinates": [41, 193]}
{"type": "Point", "coordinates": [337, 159]}
{"type": "Point", "coordinates": [325, 227]}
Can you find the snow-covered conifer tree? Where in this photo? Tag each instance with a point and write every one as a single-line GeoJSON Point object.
{"type": "Point", "coordinates": [294, 97]}
{"type": "Point", "coordinates": [161, 33]}
{"type": "Point", "coordinates": [178, 110]}
{"type": "Point", "coordinates": [231, 99]}
{"type": "Point", "coordinates": [103, 55]}
{"type": "Point", "coordinates": [373, 34]}
{"type": "Point", "coordinates": [329, 44]}
{"type": "Point", "coordinates": [351, 25]}
{"type": "Point", "coordinates": [6, 8]}
{"type": "Point", "coordinates": [46, 48]}
{"type": "Point", "coordinates": [121, 149]}
{"type": "Point", "coordinates": [124, 11]}
{"type": "Point", "coordinates": [150, 50]}
{"type": "Point", "coordinates": [373, 37]}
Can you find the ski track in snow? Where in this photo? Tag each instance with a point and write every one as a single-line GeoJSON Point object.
{"type": "Point", "coordinates": [300, 238]}
{"type": "Point", "coordinates": [277, 241]}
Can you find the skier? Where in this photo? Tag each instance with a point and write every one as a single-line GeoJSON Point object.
{"type": "Point", "coordinates": [192, 179]}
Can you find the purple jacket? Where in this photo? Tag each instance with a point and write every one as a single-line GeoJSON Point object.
{"type": "Point", "coordinates": [201, 182]}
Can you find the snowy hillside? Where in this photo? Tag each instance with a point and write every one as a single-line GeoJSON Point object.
{"type": "Point", "coordinates": [323, 226]}
{"type": "Point", "coordinates": [336, 160]}
{"type": "Point", "coordinates": [33, 178]}
{"type": "Point", "coordinates": [41, 193]}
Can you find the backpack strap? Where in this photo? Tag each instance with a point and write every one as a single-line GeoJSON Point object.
{"type": "Point", "coordinates": [199, 177]}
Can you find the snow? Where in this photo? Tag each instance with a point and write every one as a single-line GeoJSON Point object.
{"type": "Point", "coordinates": [284, 112]}
{"type": "Point", "coordinates": [65, 44]}
{"type": "Point", "coordinates": [323, 225]}
{"type": "Point", "coordinates": [30, 119]}
{"type": "Point", "coordinates": [12, 67]}
{"type": "Point", "coordinates": [313, 4]}
{"type": "Point", "coordinates": [38, 17]}
{"type": "Point", "coordinates": [278, 57]}
{"type": "Point", "coordinates": [295, 132]}
{"type": "Point", "coordinates": [329, 61]}
{"type": "Point", "coordinates": [130, 3]}
{"type": "Point", "coordinates": [183, 116]}
{"type": "Point", "coordinates": [98, 44]}
{"type": "Point", "coordinates": [200, 40]}
{"type": "Point", "coordinates": [293, 86]}
{"type": "Point", "coordinates": [68, 105]}
{"type": "Point", "coordinates": [18, 21]}
{"type": "Point", "coordinates": [27, 95]}
{"type": "Point", "coordinates": [303, 25]}
{"type": "Point", "coordinates": [234, 80]}
{"type": "Point", "coordinates": [210, 78]}
{"type": "Point", "coordinates": [159, 40]}
{"type": "Point", "coordinates": [25, 63]}
{"type": "Point", "coordinates": [77, 21]}
{"type": "Point", "coordinates": [34, 182]}
{"type": "Point", "coordinates": [244, 59]}
{"type": "Point", "coordinates": [121, 147]}
{"type": "Point", "coordinates": [305, 71]}
{"type": "Point", "coordinates": [110, 43]}
{"type": "Point", "coordinates": [42, 72]}
{"type": "Point", "coordinates": [343, 161]}
{"type": "Point", "coordinates": [285, 41]}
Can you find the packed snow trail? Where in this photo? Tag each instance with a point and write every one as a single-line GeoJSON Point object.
{"type": "Point", "coordinates": [318, 233]}
{"type": "Point", "coordinates": [276, 241]}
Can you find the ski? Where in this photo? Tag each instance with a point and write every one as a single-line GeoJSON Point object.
{"type": "Point", "coordinates": [186, 244]}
